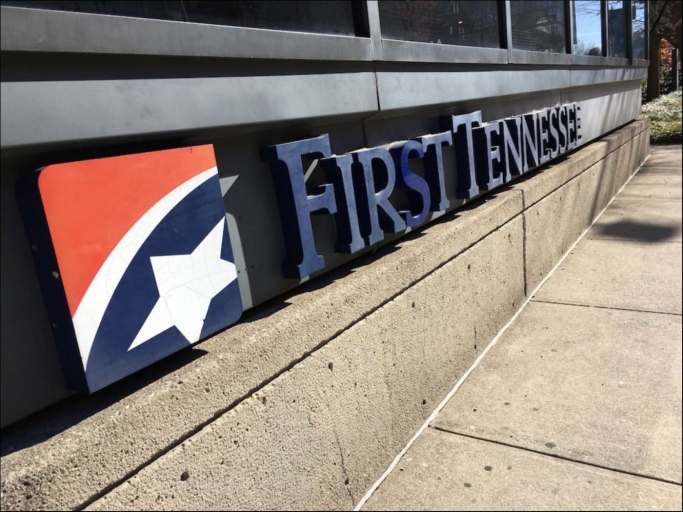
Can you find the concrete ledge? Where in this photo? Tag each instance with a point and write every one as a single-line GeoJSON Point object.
{"type": "Point", "coordinates": [557, 174]}
{"type": "Point", "coordinates": [555, 222]}
{"type": "Point", "coordinates": [318, 436]}
{"type": "Point", "coordinates": [306, 401]}
{"type": "Point", "coordinates": [558, 219]}
{"type": "Point", "coordinates": [234, 364]}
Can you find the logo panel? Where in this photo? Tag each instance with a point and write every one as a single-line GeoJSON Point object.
{"type": "Point", "coordinates": [134, 258]}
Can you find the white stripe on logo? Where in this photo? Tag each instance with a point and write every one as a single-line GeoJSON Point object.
{"type": "Point", "coordinates": [96, 299]}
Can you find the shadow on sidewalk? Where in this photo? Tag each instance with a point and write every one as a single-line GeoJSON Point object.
{"type": "Point", "coordinates": [645, 232]}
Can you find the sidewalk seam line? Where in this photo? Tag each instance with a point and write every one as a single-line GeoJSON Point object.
{"type": "Point", "coordinates": [524, 239]}
{"type": "Point", "coordinates": [646, 311]}
{"type": "Point", "coordinates": [491, 344]}
{"type": "Point", "coordinates": [556, 456]}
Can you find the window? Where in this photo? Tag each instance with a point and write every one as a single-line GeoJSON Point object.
{"type": "Point", "coordinates": [638, 24]}
{"type": "Point", "coordinates": [328, 17]}
{"type": "Point", "coordinates": [538, 26]}
{"type": "Point", "coordinates": [616, 29]}
{"type": "Point", "coordinates": [587, 27]}
{"type": "Point", "coordinates": [441, 22]}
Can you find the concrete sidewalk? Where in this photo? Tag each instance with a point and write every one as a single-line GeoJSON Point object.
{"type": "Point", "coordinates": [578, 405]}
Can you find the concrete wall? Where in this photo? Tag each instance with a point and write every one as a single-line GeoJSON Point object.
{"type": "Point", "coordinates": [305, 402]}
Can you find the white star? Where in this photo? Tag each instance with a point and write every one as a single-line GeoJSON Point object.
{"type": "Point", "coordinates": [186, 284]}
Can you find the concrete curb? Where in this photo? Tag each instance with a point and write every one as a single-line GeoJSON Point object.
{"type": "Point", "coordinates": [326, 431]}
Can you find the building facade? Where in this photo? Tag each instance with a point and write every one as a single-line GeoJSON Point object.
{"type": "Point", "coordinates": [362, 152]}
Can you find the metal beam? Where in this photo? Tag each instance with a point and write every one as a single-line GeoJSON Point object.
{"type": "Point", "coordinates": [43, 30]}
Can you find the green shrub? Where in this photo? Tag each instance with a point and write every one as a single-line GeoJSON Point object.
{"type": "Point", "coordinates": [665, 118]}
{"type": "Point", "coordinates": [666, 78]}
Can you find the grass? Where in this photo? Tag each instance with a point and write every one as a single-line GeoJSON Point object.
{"type": "Point", "coordinates": [665, 118]}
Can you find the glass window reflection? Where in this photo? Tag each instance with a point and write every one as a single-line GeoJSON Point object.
{"type": "Point", "coordinates": [616, 29]}
{"type": "Point", "coordinates": [538, 26]}
{"type": "Point", "coordinates": [587, 27]}
{"type": "Point", "coordinates": [638, 24]}
{"type": "Point", "coordinates": [441, 22]}
{"type": "Point", "coordinates": [328, 17]}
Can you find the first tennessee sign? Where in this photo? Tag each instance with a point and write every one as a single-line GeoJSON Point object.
{"type": "Point", "coordinates": [360, 183]}
{"type": "Point", "coordinates": [134, 254]}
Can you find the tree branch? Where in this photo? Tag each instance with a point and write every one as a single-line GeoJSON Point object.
{"type": "Point", "coordinates": [659, 17]}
